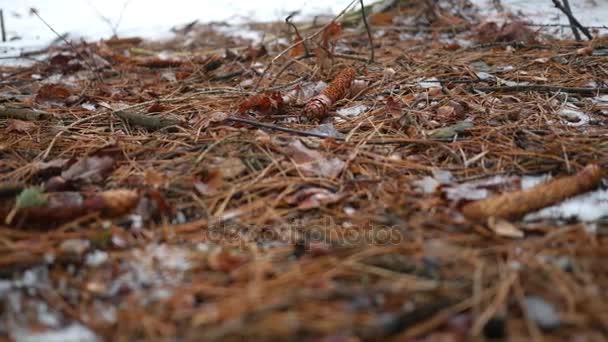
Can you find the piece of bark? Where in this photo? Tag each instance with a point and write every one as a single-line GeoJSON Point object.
{"type": "Point", "coordinates": [513, 205]}
{"type": "Point", "coordinates": [318, 106]}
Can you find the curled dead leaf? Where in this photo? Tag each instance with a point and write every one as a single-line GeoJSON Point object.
{"type": "Point", "coordinates": [312, 163]}
{"type": "Point", "coordinates": [314, 197]}
{"type": "Point", "coordinates": [20, 126]}
{"type": "Point", "coordinates": [52, 92]}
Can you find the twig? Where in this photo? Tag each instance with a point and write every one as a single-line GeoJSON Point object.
{"type": "Point", "coordinates": [512, 205]}
{"type": "Point", "coordinates": [597, 27]}
{"type": "Point", "coordinates": [545, 88]}
{"type": "Point", "coordinates": [280, 128]}
{"type": "Point", "coordinates": [294, 60]}
{"type": "Point", "coordinates": [23, 114]}
{"type": "Point", "coordinates": [2, 26]}
{"type": "Point", "coordinates": [287, 49]}
{"type": "Point", "coordinates": [295, 28]}
{"type": "Point", "coordinates": [70, 45]}
{"type": "Point", "coordinates": [146, 121]}
{"type": "Point", "coordinates": [575, 32]}
{"type": "Point", "coordinates": [397, 141]}
{"type": "Point", "coordinates": [369, 32]}
{"type": "Point", "coordinates": [573, 19]}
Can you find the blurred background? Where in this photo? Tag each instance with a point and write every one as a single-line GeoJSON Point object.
{"type": "Point", "coordinates": [153, 19]}
{"type": "Point", "coordinates": [96, 19]}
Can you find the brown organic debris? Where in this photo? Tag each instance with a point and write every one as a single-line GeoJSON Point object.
{"type": "Point", "coordinates": [182, 192]}
{"type": "Point", "coordinates": [264, 103]}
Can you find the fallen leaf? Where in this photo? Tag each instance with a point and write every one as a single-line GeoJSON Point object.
{"type": "Point", "coordinates": [504, 228]}
{"type": "Point", "coordinates": [310, 198]}
{"type": "Point", "coordinates": [298, 49]}
{"type": "Point", "coordinates": [231, 167]}
{"type": "Point", "coordinates": [117, 202]}
{"type": "Point", "coordinates": [482, 188]}
{"type": "Point", "coordinates": [450, 132]}
{"type": "Point", "coordinates": [264, 103]}
{"type": "Point", "coordinates": [210, 184]}
{"type": "Point", "coordinates": [93, 169]}
{"type": "Point", "coordinates": [225, 260]}
{"type": "Point", "coordinates": [52, 92]}
{"type": "Point", "coordinates": [156, 180]}
{"type": "Point", "coordinates": [312, 163]}
{"type": "Point", "coordinates": [20, 126]}
{"type": "Point", "coordinates": [57, 207]}
{"type": "Point", "coordinates": [382, 18]}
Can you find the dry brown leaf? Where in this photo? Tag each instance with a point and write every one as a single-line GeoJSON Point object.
{"type": "Point", "coordinates": [310, 198]}
{"type": "Point", "coordinates": [381, 18]}
{"type": "Point", "coordinates": [52, 92]}
{"type": "Point", "coordinates": [210, 184]}
{"type": "Point", "coordinates": [505, 228]}
{"type": "Point", "coordinates": [20, 126]}
{"type": "Point", "coordinates": [231, 167]}
{"type": "Point", "coordinates": [313, 163]}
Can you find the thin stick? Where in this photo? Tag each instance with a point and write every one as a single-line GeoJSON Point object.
{"type": "Point", "coordinates": [397, 141]}
{"type": "Point", "coordinates": [573, 19]}
{"type": "Point", "coordinates": [70, 45]}
{"type": "Point", "coordinates": [295, 28]}
{"type": "Point", "coordinates": [23, 114]}
{"type": "Point", "coordinates": [2, 26]}
{"type": "Point", "coordinates": [280, 128]}
{"type": "Point", "coordinates": [146, 121]}
{"type": "Point", "coordinates": [545, 88]}
{"type": "Point", "coordinates": [369, 33]}
{"type": "Point", "coordinates": [575, 32]}
{"type": "Point", "coordinates": [287, 49]}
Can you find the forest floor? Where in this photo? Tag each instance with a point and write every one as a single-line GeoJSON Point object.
{"type": "Point", "coordinates": [441, 180]}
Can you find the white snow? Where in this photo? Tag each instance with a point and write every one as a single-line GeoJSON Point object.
{"type": "Point", "coordinates": [97, 19]}
{"type": "Point", "coordinates": [72, 333]}
{"type": "Point", "coordinates": [588, 12]}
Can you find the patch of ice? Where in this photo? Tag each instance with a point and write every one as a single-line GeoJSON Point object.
{"type": "Point", "coordinates": [72, 333]}
{"type": "Point", "coordinates": [586, 207]}
{"type": "Point", "coordinates": [484, 76]}
{"type": "Point", "coordinates": [427, 83]}
{"type": "Point", "coordinates": [149, 19]}
{"type": "Point", "coordinates": [5, 286]}
{"type": "Point", "coordinates": [96, 258]}
{"type": "Point", "coordinates": [530, 181]}
{"type": "Point", "coordinates": [241, 32]}
{"type": "Point", "coordinates": [154, 267]}
{"type": "Point", "coordinates": [574, 116]}
{"type": "Point", "coordinates": [328, 130]}
{"type": "Point", "coordinates": [353, 111]}
{"type": "Point", "coordinates": [427, 185]}
{"type": "Point", "coordinates": [589, 13]}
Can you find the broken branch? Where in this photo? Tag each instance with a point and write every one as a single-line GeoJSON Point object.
{"type": "Point", "coordinates": [146, 121]}
{"type": "Point", "coordinates": [23, 114]}
{"type": "Point", "coordinates": [515, 204]}
{"type": "Point", "coordinates": [573, 19]}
